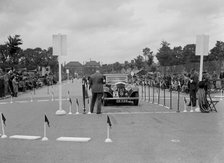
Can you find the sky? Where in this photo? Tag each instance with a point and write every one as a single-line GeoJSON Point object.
{"type": "Point", "coordinates": [110, 31]}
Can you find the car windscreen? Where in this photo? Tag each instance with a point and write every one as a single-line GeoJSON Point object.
{"type": "Point", "coordinates": [115, 79]}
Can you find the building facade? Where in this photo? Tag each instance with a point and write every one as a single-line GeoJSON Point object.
{"type": "Point", "coordinates": [75, 67]}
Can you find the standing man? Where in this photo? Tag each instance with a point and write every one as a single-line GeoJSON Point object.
{"type": "Point", "coordinates": [96, 82]}
{"type": "Point", "coordinates": [193, 87]}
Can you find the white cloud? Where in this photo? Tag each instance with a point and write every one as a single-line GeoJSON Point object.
{"type": "Point", "coordinates": [110, 31]}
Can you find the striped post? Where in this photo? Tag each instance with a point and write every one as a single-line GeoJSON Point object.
{"type": "Point", "coordinates": [83, 96]}
{"type": "Point", "coordinates": [149, 90]}
{"type": "Point", "coordinates": [159, 93]}
{"type": "Point", "coordinates": [164, 95]}
{"type": "Point", "coordinates": [153, 91]}
{"type": "Point", "coordinates": [142, 90]}
{"type": "Point", "coordinates": [170, 97]}
{"type": "Point", "coordinates": [178, 100]}
{"type": "Point", "coordinates": [145, 91]}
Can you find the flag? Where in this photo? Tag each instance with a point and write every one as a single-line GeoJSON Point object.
{"type": "Point", "coordinates": [70, 100]}
{"type": "Point", "coordinates": [77, 102]}
{"type": "Point", "coordinates": [46, 120]}
{"type": "Point", "coordinates": [108, 121]}
{"type": "Point", "coordinates": [185, 100]}
{"type": "Point", "coordinates": [3, 119]}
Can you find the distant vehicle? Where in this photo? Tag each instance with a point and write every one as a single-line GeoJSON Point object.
{"type": "Point", "coordinates": [118, 90]}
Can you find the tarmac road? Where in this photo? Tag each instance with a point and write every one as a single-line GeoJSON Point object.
{"type": "Point", "coordinates": [140, 134]}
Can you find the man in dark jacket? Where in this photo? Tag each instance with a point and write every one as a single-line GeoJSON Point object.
{"type": "Point", "coordinates": [96, 84]}
{"type": "Point", "coordinates": [193, 84]}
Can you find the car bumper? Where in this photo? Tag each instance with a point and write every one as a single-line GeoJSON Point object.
{"type": "Point", "coordinates": [121, 98]}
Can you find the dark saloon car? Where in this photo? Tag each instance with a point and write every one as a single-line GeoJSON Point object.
{"type": "Point", "coordinates": [118, 90]}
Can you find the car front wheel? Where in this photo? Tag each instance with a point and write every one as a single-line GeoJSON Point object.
{"type": "Point", "coordinates": [136, 101]}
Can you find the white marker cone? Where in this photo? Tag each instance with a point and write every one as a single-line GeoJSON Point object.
{"type": "Point", "coordinates": [45, 137]}
{"type": "Point", "coordinates": [77, 109]}
{"type": "Point", "coordinates": [70, 109]}
{"type": "Point", "coordinates": [48, 89]}
{"type": "Point", "coordinates": [3, 129]}
{"type": "Point", "coordinates": [68, 95]}
{"type": "Point", "coordinates": [11, 100]}
{"type": "Point", "coordinates": [191, 109]}
{"type": "Point", "coordinates": [197, 109]}
{"type": "Point", "coordinates": [185, 106]}
{"type": "Point", "coordinates": [31, 97]}
{"type": "Point", "coordinates": [52, 96]}
{"type": "Point", "coordinates": [221, 95]}
{"type": "Point", "coordinates": [108, 140]}
{"type": "Point", "coordinates": [89, 107]}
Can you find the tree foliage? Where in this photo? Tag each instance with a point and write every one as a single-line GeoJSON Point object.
{"type": "Point", "coordinates": [217, 52]}
{"type": "Point", "coordinates": [148, 54]}
{"type": "Point", "coordinates": [164, 54]}
{"type": "Point", "coordinates": [13, 44]}
{"type": "Point", "coordinates": [11, 55]}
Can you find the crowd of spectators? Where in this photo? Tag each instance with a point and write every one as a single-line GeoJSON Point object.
{"type": "Point", "coordinates": [12, 82]}
{"type": "Point", "coordinates": [180, 81]}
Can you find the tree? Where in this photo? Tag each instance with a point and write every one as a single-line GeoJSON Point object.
{"type": "Point", "coordinates": [164, 54]}
{"type": "Point", "coordinates": [148, 54]}
{"type": "Point", "coordinates": [189, 54]}
{"type": "Point", "coordinates": [32, 58]}
{"type": "Point", "coordinates": [126, 65]}
{"type": "Point", "coordinates": [117, 67]}
{"type": "Point", "coordinates": [177, 55]}
{"type": "Point", "coordinates": [14, 49]}
{"type": "Point", "coordinates": [52, 60]}
{"type": "Point", "coordinates": [3, 55]}
{"type": "Point", "coordinates": [132, 64]}
{"type": "Point", "coordinates": [139, 62]}
{"type": "Point", "coordinates": [217, 53]}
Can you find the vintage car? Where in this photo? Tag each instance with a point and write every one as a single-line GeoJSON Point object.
{"type": "Point", "coordinates": [117, 89]}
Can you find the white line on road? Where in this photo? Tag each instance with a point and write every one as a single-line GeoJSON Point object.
{"type": "Point", "coordinates": [42, 100]}
{"type": "Point", "coordinates": [2, 103]}
{"type": "Point", "coordinates": [22, 101]}
{"type": "Point", "coordinates": [141, 113]}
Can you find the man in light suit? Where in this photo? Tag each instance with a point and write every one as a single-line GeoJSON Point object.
{"type": "Point", "coordinates": [96, 82]}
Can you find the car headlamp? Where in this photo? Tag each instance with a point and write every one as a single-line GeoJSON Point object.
{"type": "Point", "coordinates": [128, 87]}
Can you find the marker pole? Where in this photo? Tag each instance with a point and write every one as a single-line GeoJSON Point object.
{"type": "Point", "coordinates": [3, 129]}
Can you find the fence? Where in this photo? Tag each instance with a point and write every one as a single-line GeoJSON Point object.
{"type": "Point", "coordinates": [173, 99]}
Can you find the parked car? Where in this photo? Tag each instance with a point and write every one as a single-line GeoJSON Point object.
{"type": "Point", "coordinates": [118, 90]}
